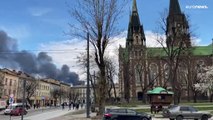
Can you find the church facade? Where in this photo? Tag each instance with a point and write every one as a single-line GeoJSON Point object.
{"type": "Point", "coordinates": [142, 68]}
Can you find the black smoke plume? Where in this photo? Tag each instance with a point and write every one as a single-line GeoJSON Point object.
{"type": "Point", "coordinates": [41, 64]}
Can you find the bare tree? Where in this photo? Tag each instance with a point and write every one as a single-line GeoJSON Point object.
{"type": "Point", "coordinates": [31, 89]}
{"type": "Point", "coordinates": [141, 72]}
{"type": "Point", "coordinates": [82, 61]}
{"type": "Point", "coordinates": [111, 73]}
{"type": "Point", "coordinates": [74, 95]}
{"type": "Point", "coordinates": [98, 18]}
{"type": "Point", "coordinates": [176, 45]}
{"type": "Point", "coordinates": [55, 94]}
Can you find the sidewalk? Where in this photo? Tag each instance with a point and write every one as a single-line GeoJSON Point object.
{"type": "Point", "coordinates": [76, 115]}
{"type": "Point", "coordinates": [49, 114]}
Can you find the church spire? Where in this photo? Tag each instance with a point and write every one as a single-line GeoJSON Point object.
{"type": "Point", "coordinates": [174, 7]}
{"type": "Point", "coordinates": [135, 35]}
{"type": "Point", "coordinates": [134, 6]}
{"type": "Point", "coordinates": [135, 20]}
{"type": "Point", "coordinates": [177, 25]}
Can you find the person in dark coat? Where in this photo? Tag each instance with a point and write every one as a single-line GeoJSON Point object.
{"type": "Point", "coordinates": [62, 106]}
{"type": "Point", "coordinates": [70, 106]}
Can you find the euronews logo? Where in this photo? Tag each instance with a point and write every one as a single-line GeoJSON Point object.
{"type": "Point", "coordinates": [197, 7]}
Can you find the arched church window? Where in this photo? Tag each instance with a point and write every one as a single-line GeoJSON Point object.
{"type": "Point", "coordinates": [182, 72]}
{"type": "Point", "coordinates": [138, 73]}
{"type": "Point", "coordinates": [137, 40]}
{"type": "Point", "coordinates": [166, 72]}
{"type": "Point", "coordinates": [153, 68]}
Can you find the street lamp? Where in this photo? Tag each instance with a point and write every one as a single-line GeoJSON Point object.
{"type": "Point", "coordinates": [23, 99]}
{"type": "Point", "coordinates": [88, 86]}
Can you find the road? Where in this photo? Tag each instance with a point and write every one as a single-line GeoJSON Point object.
{"type": "Point", "coordinates": [56, 114]}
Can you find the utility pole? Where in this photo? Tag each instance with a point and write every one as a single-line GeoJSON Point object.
{"type": "Point", "coordinates": [23, 99]}
{"type": "Point", "coordinates": [88, 86]}
{"type": "Point", "coordinates": [212, 51]}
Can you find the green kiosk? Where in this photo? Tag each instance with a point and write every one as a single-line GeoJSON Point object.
{"type": "Point", "coordinates": [159, 97]}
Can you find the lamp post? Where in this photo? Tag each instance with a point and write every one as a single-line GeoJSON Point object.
{"type": "Point", "coordinates": [23, 99]}
{"type": "Point", "coordinates": [88, 86]}
{"type": "Point", "coordinates": [212, 51]}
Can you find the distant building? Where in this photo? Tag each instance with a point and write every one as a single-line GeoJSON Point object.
{"type": "Point", "coordinates": [79, 92]}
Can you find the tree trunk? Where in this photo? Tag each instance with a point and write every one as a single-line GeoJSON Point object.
{"type": "Point", "coordinates": [102, 92]}
{"type": "Point", "coordinates": [144, 97]}
{"type": "Point", "coordinates": [113, 85]}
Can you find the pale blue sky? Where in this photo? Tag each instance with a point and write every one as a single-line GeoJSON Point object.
{"type": "Point", "coordinates": [36, 22]}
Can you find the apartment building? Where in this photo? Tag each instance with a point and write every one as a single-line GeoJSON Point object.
{"type": "Point", "coordinates": [9, 80]}
{"type": "Point", "coordinates": [42, 94]}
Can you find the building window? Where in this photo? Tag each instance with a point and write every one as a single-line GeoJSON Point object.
{"type": "Point", "coordinates": [138, 73]}
{"type": "Point", "coordinates": [5, 91]}
{"type": "Point", "coordinates": [166, 72]}
{"type": "Point", "coordinates": [11, 82]}
{"type": "Point", "coordinates": [14, 82]}
{"type": "Point", "coordinates": [6, 81]}
{"type": "Point", "coordinates": [14, 92]}
{"type": "Point", "coordinates": [9, 91]}
{"type": "Point", "coordinates": [153, 75]}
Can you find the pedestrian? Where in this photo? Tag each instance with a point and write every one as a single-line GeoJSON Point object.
{"type": "Point", "coordinates": [73, 106]}
{"type": "Point", "coordinates": [34, 105]}
{"type": "Point", "coordinates": [37, 105]}
{"type": "Point", "coordinates": [70, 106]}
{"type": "Point", "coordinates": [77, 106]}
{"type": "Point", "coordinates": [62, 106]}
{"type": "Point", "coordinates": [82, 104]}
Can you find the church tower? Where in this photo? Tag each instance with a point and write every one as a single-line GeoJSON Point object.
{"type": "Point", "coordinates": [177, 29]}
{"type": "Point", "coordinates": [135, 36]}
{"type": "Point", "coordinates": [136, 48]}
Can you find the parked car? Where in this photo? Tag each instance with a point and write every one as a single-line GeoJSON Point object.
{"type": "Point", "coordinates": [13, 106]}
{"type": "Point", "coordinates": [7, 111]}
{"type": "Point", "coordinates": [125, 114]}
{"type": "Point", "coordinates": [185, 112]}
{"type": "Point", "coordinates": [18, 111]}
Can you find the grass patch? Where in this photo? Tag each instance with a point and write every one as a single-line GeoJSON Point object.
{"type": "Point", "coordinates": [127, 105]}
{"type": "Point", "coordinates": [143, 110]}
{"type": "Point", "coordinates": [204, 108]}
{"type": "Point", "coordinates": [198, 104]}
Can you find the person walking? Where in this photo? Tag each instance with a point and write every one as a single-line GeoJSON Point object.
{"type": "Point", "coordinates": [82, 104]}
{"type": "Point", "coordinates": [34, 105]}
{"type": "Point", "coordinates": [73, 105]}
{"type": "Point", "coordinates": [62, 106]}
{"type": "Point", "coordinates": [70, 106]}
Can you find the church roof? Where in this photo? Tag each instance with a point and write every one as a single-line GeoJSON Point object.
{"type": "Point", "coordinates": [196, 51]}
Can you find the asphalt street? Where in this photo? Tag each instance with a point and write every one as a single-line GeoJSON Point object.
{"type": "Point", "coordinates": [57, 114]}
